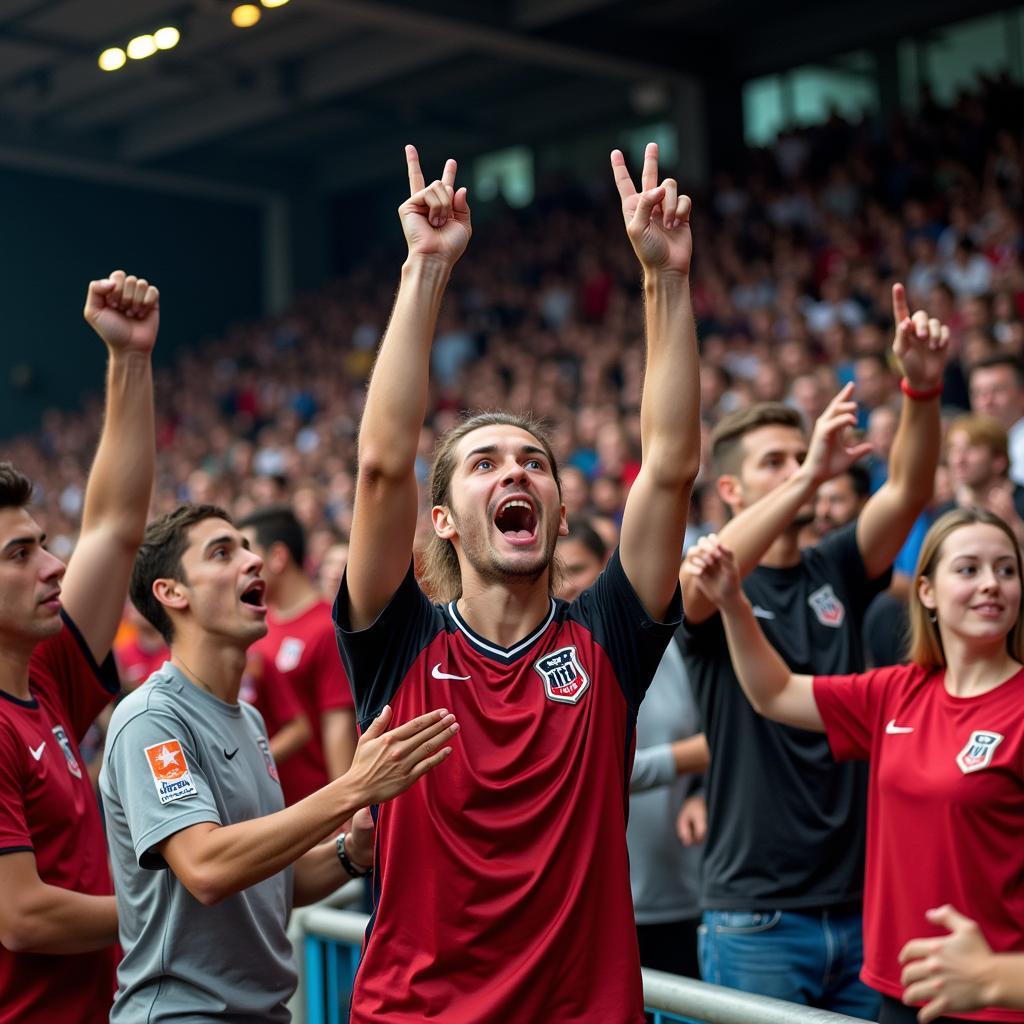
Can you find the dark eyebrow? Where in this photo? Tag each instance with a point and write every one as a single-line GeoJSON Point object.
{"type": "Point", "coordinates": [18, 542]}
{"type": "Point", "coordinates": [490, 449]}
{"type": "Point", "coordinates": [224, 539]}
{"type": "Point", "coordinates": [486, 449]}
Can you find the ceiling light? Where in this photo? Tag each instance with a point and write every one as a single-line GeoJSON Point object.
{"type": "Point", "coordinates": [273, 3]}
{"type": "Point", "coordinates": [112, 59]}
{"type": "Point", "coordinates": [245, 15]}
{"type": "Point", "coordinates": [166, 38]}
{"type": "Point", "coordinates": [141, 47]}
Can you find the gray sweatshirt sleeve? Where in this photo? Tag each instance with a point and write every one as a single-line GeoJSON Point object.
{"type": "Point", "coordinates": [652, 767]}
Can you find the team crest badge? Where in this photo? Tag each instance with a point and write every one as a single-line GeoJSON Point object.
{"type": "Point", "coordinates": [268, 758]}
{"type": "Point", "coordinates": [289, 654]}
{"type": "Point", "coordinates": [69, 753]}
{"type": "Point", "coordinates": [171, 774]}
{"type": "Point", "coordinates": [977, 754]}
{"type": "Point", "coordinates": [563, 675]}
{"type": "Point", "coordinates": [827, 607]}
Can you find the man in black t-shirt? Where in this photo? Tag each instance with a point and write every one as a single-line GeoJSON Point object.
{"type": "Point", "coordinates": [783, 862]}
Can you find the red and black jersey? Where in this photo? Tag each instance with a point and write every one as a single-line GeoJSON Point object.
{"type": "Point", "coordinates": [48, 807]}
{"type": "Point", "coordinates": [945, 810]}
{"type": "Point", "coordinates": [501, 888]}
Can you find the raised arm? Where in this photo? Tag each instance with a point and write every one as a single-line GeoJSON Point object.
{"type": "Point", "coordinates": [772, 689]}
{"type": "Point", "coordinates": [125, 312]}
{"type": "Point", "coordinates": [751, 533]}
{"type": "Point", "coordinates": [658, 225]}
{"type": "Point", "coordinates": [436, 222]}
{"type": "Point", "coordinates": [921, 347]}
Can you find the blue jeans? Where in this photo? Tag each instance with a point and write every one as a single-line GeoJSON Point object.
{"type": "Point", "coordinates": [809, 958]}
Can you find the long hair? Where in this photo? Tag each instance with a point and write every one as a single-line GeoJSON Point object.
{"type": "Point", "coordinates": [440, 573]}
{"type": "Point", "coordinates": [925, 643]}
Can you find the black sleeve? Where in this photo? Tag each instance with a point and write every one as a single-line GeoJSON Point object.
{"type": "Point", "coordinates": [840, 550]}
{"type": "Point", "coordinates": [378, 657]}
{"type": "Point", "coordinates": [619, 623]}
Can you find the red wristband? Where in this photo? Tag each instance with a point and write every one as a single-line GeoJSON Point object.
{"type": "Point", "coordinates": [920, 396]}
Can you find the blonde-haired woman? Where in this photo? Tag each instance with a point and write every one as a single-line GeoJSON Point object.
{"type": "Point", "coordinates": [944, 735]}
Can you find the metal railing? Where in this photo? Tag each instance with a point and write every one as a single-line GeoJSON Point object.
{"type": "Point", "coordinates": [330, 938]}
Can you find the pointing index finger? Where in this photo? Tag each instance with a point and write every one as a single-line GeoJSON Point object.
{"type": "Point", "coordinates": [412, 159]}
{"type": "Point", "coordinates": [623, 182]}
{"type": "Point", "coordinates": [900, 309]}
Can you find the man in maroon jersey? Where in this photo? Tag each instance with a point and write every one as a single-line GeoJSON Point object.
{"type": "Point", "coordinates": [58, 921]}
{"type": "Point", "coordinates": [300, 645]}
{"type": "Point", "coordinates": [501, 885]}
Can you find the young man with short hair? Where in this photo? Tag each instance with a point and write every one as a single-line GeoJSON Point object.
{"type": "Point", "coordinates": [783, 858]}
{"type": "Point", "coordinates": [207, 860]}
{"type": "Point", "coordinates": [501, 886]}
{"type": "Point", "coordinates": [58, 921]}
{"type": "Point", "coordinates": [301, 647]}
{"type": "Point", "coordinates": [996, 386]}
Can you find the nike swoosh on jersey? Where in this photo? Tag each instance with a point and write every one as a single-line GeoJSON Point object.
{"type": "Point", "coordinates": [438, 674]}
{"type": "Point", "coordinates": [763, 613]}
{"type": "Point", "coordinates": [895, 730]}
{"type": "Point", "coordinates": [38, 752]}
{"type": "Point", "coordinates": [232, 754]}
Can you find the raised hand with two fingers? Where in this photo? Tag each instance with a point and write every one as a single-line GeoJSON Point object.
{"type": "Point", "coordinates": [436, 217]}
{"type": "Point", "coordinates": [657, 217]}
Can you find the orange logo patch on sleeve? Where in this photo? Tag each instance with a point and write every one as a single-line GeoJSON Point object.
{"type": "Point", "coordinates": [170, 771]}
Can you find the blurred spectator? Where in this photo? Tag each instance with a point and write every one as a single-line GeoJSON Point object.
{"type": "Point", "coordinates": [997, 390]}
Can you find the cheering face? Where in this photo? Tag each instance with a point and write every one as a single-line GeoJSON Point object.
{"type": "Point", "coordinates": [222, 591]}
{"type": "Point", "coordinates": [30, 580]}
{"type": "Point", "coordinates": [975, 590]}
{"type": "Point", "coordinates": [771, 455]}
{"type": "Point", "coordinates": [505, 513]}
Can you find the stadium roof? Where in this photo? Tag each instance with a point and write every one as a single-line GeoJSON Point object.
{"type": "Point", "coordinates": [324, 92]}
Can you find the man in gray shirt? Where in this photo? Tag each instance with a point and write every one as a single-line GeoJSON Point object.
{"type": "Point", "coordinates": [207, 861]}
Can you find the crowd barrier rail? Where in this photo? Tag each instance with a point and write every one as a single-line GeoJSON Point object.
{"type": "Point", "coordinates": [328, 938]}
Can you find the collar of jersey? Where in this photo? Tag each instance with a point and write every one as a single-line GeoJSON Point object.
{"type": "Point", "coordinates": [30, 703]}
{"type": "Point", "coordinates": [493, 650]}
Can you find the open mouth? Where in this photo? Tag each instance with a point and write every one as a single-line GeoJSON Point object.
{"type": "Point", "coordinates": [253, 595]}
{"type": "Point", "coordinates": [516, 521]}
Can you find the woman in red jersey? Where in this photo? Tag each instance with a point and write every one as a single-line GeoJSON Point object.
{"type": "Point", "coordinates": [944, 735]}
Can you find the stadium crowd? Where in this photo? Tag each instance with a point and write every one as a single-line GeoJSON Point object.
{"type": "Point", "coordinates": [795, 255]}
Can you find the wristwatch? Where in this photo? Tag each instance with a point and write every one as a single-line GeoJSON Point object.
{"type": "Point", "coordinates": [350, 869]}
